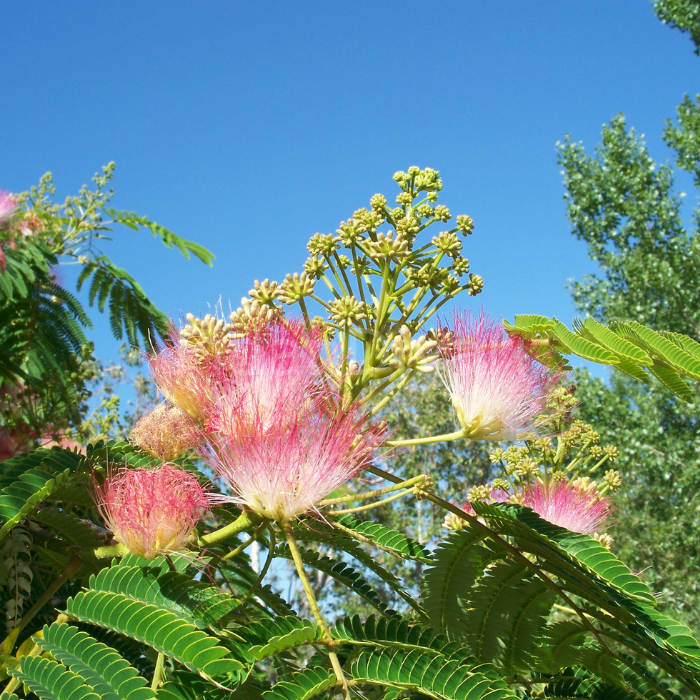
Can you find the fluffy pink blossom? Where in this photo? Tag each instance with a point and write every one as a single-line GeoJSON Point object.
{"type": "Point", "coordinates": [186, 380]}
{"type": "Point", "coordinates": [497, 387]}
{"type": "Point", "coordinates": [283, 469]}
{"type": "Point", "coordinates": [7, 207]}
{"type": "Point", "coordinates": [568, 506]}
{"type": "Point", "coordinates": [268, 373]}
{"type": "Point", "coordinates": [151, 511]}
{"type": "Point", "coordinates": [284, 441]}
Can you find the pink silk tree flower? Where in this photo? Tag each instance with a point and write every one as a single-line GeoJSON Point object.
{"type": "Point", "coordinates": [186, 380]}
{"type": "Point", "coordinates": [151, 511]}
{"type": "Point", "coordinates": [267, 373]}
{"type": "Point", "coordinates": [284, 469]}
{"type": "Point", "coordinates": [497, 388]}
{"type": "Point", "coordinates": [7, 207]}
{"type": "Point", "coordinates": [166, 432]}
{"type": "Point", "coordinates": [568, 506]}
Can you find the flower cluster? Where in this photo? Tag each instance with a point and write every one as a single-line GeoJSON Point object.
{"type": "Point", "coordinates": [151, 511]}
{"type": "Point", "coordinates": [497, 388]}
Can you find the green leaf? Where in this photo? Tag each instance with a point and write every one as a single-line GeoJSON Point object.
{"type": "Point", "coordinates": [163, 630]}
{"type": "Point", "coordinates": [186, 247]}
{"type": "Point", "coordinates": [613, 342]}
{"type": "Point", "coordinates": [385, 538]}
{"type": "Point", "coordinates": [52, 681]}
{"type": "Point", "coordinates": [667, 350]}
{"type": "Point", "coordinates": [670, 379]}
{"type": "Point", "coordinates": [388, 632]}
{"type": "Point", "coordinates": [100, 667]}
{"type": "Point", "coordinates": [269, 637]}
{"type": "Point", "coordinates": [530, 324]}
{"type": "Point", "coordinates": [303, 686]}
{"type": "Point", "coordinates": [436, 676]}
{"type": "Point", "coordinates": [457, 562]}
{"type": "Point", "coordinates": [29, 478]}
{"type": "Point", "coordinates": [582, 347]}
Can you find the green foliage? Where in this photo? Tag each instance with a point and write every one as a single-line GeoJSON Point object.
{"type": "Point", "coordinates": [628, 346]}
{"type": "Point", "coordinates": [50, 680]}
{"type": "Point", "coordinates": [28, 479]}
{"type": "Point", "coordinates": [681, 14]}
{"type": "Point", "coordinates": [100, 667]}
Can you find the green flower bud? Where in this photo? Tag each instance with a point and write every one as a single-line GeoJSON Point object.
{"type": "Point", "coordinates": [432, 197]}
{"type": "Point", "coordinates": [465, 224]}
{"type": "Point", "coordinates": [388, 247]}
{"type": "Point", "coordinates": [265, 291]}
{"type": "Point", "coordinates": [448, 243]}
{"type": "Point", "coordinates": [315, 266]}
{"type": "Point", "coordinates": [613, 479]}
{"type": "Point", "coordinates": [252, 316]}
{"type": "Point", "coordinates": [424, 211]}
{"type": "Point", "coordinates": [350, 232]}
{"type": "Point", "coordinates": [413, 170]}
{"type": "Point", "coordinates": [378, 202]}
{"type": "Point", "coordinates": [207, 336]}
{"type": "Point", "coordinates": [442, 213]}
{"type": "Point", "coordinates": [347, 311]}
{"type": "Point", "coordinates": [404, 198]}
{"type": "Point", "coordinates": [475, 285]}
{"type": "Point", "coordinates": [295, 287]}
{"type": "Point", "coordinates": [408, 227]}
{"type": "Point", "coordinates": [322, 244]}
{"type": "Point", "coordinates": [460, 266]}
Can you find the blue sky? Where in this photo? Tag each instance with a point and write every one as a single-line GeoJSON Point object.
{"type": "Point", "coordinates": [250, 126]}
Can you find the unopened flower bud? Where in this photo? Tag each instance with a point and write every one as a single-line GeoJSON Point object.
{"type": "Point", "coordinates": [207, 336]}
{"type": "Point", "coordinates": [613, 479]}
{"type": "Point", "coordinates": [322, 244]}
{"type": "Point", "coordinates": [442, 213]}
{"type": "Point", "coordinates": [465, 224]}
{"type": "Point", "coordinates": [448, 243]}
{"type": "Point", "coordinates": [388, 247]}
{"type": "Point", "coordinates": [475, 285]}
{"type": "Point", "coordinates": [612, 452]}
{"type": "Point", "coordinates": [378, 202]}
{"type": "Point", "coordinates": [347, 311]}
{"type": "Point", "coordinates": [315, 266]}
{"type": "Point", "coordinates": [295, 287]}
{"type": "Point", "coordinates": [264, 291]}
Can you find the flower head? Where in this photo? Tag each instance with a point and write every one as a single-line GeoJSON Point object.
{"type": "Point", "coordinates": [284, 439]}
{"type": "Point", "coordinates": [185, 379]}
{"type": "Point", "coordinates": [166, 432]}
{"type": "Point", "coordinates": [565, 504]}
{"type": "Point", "coordinates": [497, 387]}
{"type": "Point", "coordinates": [8, 203]}
{"type": "Point", "coordinates": [270, 379]}
{"type": "Point", "coordinates": [151, 511]}
{"type": "Point", "coordinates": [284, 469]}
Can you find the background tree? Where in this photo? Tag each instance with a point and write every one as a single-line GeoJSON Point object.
{"type": "Point", "coordinates": [47, 367]}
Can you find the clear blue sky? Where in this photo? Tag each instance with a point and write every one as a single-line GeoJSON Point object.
{"type": "Point", "coordinates": [250, 126]}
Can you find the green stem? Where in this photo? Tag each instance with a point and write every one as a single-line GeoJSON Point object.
{"type": "Point", "coordinates": [369, 506]}
{"type": "Point", "coordinates": [372, 494]}
{"type": "Point", "coordinates": [426, 440]}
{"type": "Point", "coordinates": [328, 639]}
{"type": "Point", "coordinates": [243, 522]}
{"type": "Point", "coordinates": [393, 392]}
{"type": "Point", "coordinates": [249, 541]}
{"type": "Point", "coordinates": [264, 570]}
{"type": "Point", "coordinates": [158, 673]}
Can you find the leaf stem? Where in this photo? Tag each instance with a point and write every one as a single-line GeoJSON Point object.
{"type": "Point", "coordinates": [426, 440]}
{"type": "Point", "coordinates": [158, 673]}
{"type": "Point", "coordinates": [328, 639]}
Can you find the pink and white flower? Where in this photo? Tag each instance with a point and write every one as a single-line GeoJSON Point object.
{"type": "Point", "coordinates": [497, 388]}
{"type": "Point", "coordinates": [564, 504]}
{"type": "Point", "coordinates": [152, 511]}
{"type": "Point", "coordinates": [8, 204]}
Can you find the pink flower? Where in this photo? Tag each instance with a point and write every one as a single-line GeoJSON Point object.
{"type": "Point", "coordinates": [186, 380]}
{"type": "Point", "coordinates": [7, 207]}
{"type": "Point", "coordinates": [497, 388]}
{"type": "Point", "coordinates": [268, 373]}
{"type": "Point", "coordinates": [152, 511]}
{"type": "Point", "coordinates": [284, 469]}
{"type": "Point", "coordinates": [284, 440]}
{"type": "Point", "coordinates": [566, 505]}
{"type": "Point", "coordinates": [166, 432]}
